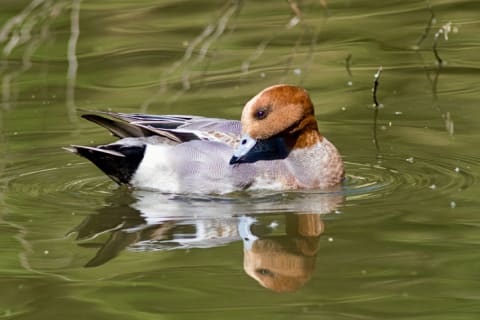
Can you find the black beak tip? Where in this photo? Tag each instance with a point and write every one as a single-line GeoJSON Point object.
{"type": "Point", "coordinates": [234, 160]}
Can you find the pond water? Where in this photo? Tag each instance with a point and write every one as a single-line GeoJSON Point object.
{"type": "Point", "coordinates": [399, 240]}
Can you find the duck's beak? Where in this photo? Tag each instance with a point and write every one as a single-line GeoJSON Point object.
{"type": "Point", "coordinates": [247, 144]}
{"type": "Point", "coordinates": [251, 150]}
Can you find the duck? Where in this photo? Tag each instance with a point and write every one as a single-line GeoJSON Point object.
{"type": "Point", "coordinates": [276, 145]}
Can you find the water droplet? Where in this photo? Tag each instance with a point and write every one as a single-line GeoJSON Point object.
{"type": "Point", "coordinates": [293, 22]}
{"type": "Point", "coordinates": [274, 224]}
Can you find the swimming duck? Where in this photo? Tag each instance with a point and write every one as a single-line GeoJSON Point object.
{"type": "Point", "coordinates": [276, 145]}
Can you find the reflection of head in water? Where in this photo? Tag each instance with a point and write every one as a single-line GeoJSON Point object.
{"type": "Point", "coordinates": [284, 263]}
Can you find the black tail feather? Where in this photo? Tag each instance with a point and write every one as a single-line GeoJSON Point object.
{"type": "Point", "coordinates": [117, 161]}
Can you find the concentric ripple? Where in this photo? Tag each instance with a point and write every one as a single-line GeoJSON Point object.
{"type": "Point", "coordinates": [407, 176]}
{"type": "Point", "coordinates": [391, 175]}
{"type": "Point", "coordinates": [58, 179]}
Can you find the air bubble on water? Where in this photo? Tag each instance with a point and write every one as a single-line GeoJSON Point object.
{"type": "Point", "coordinates": [350, 83]}
{"type": "Point", "coordinates": [453, 205]}
{"type": "Point", "coordinates": [433, 187]}
{"type": "Point", "coordinates": [330, 239]}
{"type": "Point", "coordinates": [297, 71]}
{"type": "Point", "coordinates": [457, 169]}
{"type": "Point", "coordinates": [411, 160]}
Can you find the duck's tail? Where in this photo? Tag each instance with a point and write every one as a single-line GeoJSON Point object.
{"type": "Point", "coordinates": [118, 161]}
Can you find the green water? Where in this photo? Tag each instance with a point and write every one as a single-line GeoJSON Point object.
{"type": "Point", "coordinates": [399, 241]}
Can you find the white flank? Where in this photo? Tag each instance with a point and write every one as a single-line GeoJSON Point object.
{"type": "Point", "coordinates": [157, 171]}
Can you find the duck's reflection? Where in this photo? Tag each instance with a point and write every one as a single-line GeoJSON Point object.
{"type": "Point", "coordinates": [280, 244]}
{"type": "Point", "coordinates": [282, 262]}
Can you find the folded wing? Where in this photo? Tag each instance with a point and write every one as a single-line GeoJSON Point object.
{"type": "Point", "coordinates": [174, 128]}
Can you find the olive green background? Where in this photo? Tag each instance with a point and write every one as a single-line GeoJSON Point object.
{"type": "Point", "coordinates": [401, 243]}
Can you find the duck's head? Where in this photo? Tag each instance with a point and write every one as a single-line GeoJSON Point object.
{"type": "Point", "coordinates": [278, 119]}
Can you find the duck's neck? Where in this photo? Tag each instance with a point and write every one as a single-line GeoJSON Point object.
{"type": "Point", "coordinates": [306, 133]}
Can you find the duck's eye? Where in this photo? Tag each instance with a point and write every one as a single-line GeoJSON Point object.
{"type": "Point", "coordinates": [264, 272]}
{"type": "Point", "coordinates": [261, 114]}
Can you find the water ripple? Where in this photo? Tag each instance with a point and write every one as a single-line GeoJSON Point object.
{"type": "Point", "coordinates": [413, 176]}
{"type": "Point", "coordinates": [392, 178]}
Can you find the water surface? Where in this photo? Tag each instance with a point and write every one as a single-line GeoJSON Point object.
{"type": "Point", "coordinates": [398, 240]}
